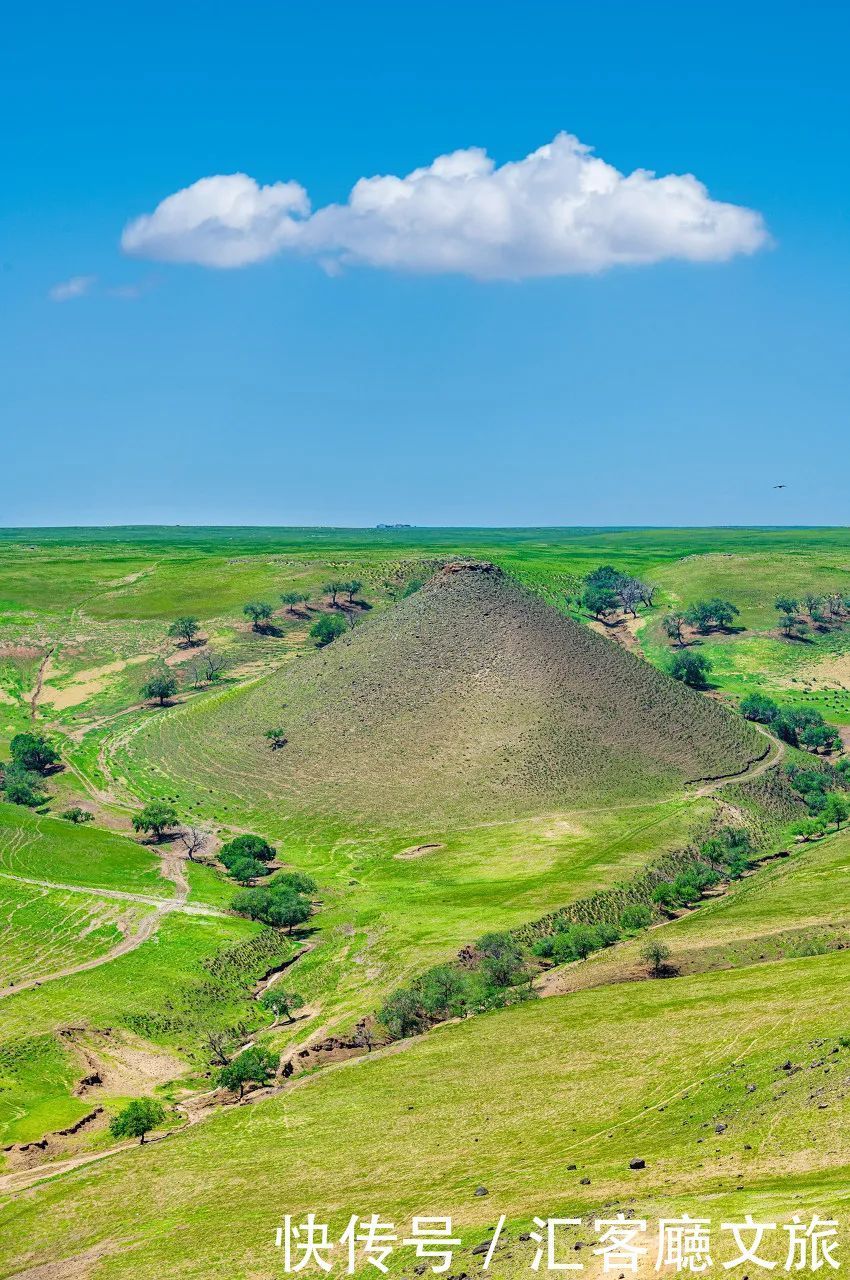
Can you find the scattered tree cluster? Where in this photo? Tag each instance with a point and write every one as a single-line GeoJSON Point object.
{"type": "Point", "coordinates": [607, 590]}
{"type": "Point", "coordinates": [824, 791]}
{"type": "Point", "coordinates": [796, 616]}
{"type": "Point", "coordinates": [799, 726]}
{"type": "Point", "coordinates": [335, 589]}
{"type": "Point", "coordinates": [282, 902]}
{"type": "Point", "coordinates": [711, 615]}
{"type": "Point", "coordinates": [498, 970]}
{"type": "Point", "coordinates": [704, 616]}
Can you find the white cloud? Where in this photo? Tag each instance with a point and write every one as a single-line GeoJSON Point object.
{"type": "Point", "coordinates": [76, 287]}
{"type": "Point", "coordinates": [559, 211]}
{"type": "Point", "coordinates": [226, 221]}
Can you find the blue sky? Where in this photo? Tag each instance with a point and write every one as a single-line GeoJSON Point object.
{"type": "Point", "coordinates": [317, 387]}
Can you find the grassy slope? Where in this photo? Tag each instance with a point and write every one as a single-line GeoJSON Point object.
{"type": "Point", "coordinates": [43, 931]}
{"type": "Point", "coordinates": [510, 1101]}
{"type": "Point", "coordinates": [44, 848]}
{"type": "Point", "coordinates": [170, 991]}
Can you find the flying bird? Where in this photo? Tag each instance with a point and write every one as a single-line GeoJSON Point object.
{"type": "Point", "coordinates": [780, 486]}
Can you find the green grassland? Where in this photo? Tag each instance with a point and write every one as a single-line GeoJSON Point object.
{"type": "Point", "coordinates": [194, 975]}
{"type": "Point", "coordinates": [35, 846]}
{"type": "Point", "coordinates": [43, 931]}
{"type": "Point", "coordinates": [592, 788]}
{"type": "Point", "coordinates": [510, 1101]}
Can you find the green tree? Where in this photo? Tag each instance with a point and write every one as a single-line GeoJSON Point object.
{"type": "Point", "coordinates": [291, 598]}
{"type": "Point", "coordinates": [503, 961]}
{"type": "Point", "coordinates": [33, 751]}
{"type": "Point", "coordinates": [292, 882]}
{"type": "Point", "coordinates": [137, 1119]}
{"type": "Point", "coordinates": [723, 613]}
{"type": "Point", "coordinates": [247, 846]}
{"type": "Point", "coordinates": [247, 869]}
{"type": "Point", "coordinates": [333, 589]}
{"type": "Point", "coordinates": [441, 992]}
{"type": "Point", "coordinates": [351, 588]}
{"type": "Point", "coordinates": [277, 738]}
{"type": "Point", "coordinates": [605, 576]}
{"type": "Point", "coordinates": [23, 786]}
{"type": "Point", "coordinates": [758, 707]}
{"type": "Point", "coordinates": [159, 688]}
{"type": "Point", "coordinates": [672, 624]}
{"type": "Point", "coordinates": [251, 903]}
{"type": "Point", "coordinates": [251, 1066]}
{"type": "Point", "coordinates": [600, 601]}
{"type": "Point", "coordinates": [691, 668]}
{"type": "Point", "coordinates": [156, 817]}
{"type": "Point", "coordinates": [402, 1014]}
{"type": "Point", "coordinates": [281, 1004]}
{"type": "Point", "coordinates": [818, 737]}
{"type": "Point", "coordinates": [836, 809]}
{"type": "Point", "coordinates": [656, 954]}
{"type": "Point", "coordinates": [787, 607]}
{"type": "Point", "coordinates": [326, 628]}
{"type": "Point", "coordinates": [288, 909]}
{"type": "Point", "coordinates": [185, 628]}
{"type": "Point", "coordinates": [276, 905]}
{"type": "Point", "coordinates": [259, 611]}
{"type": "Point", "coordinates": [699, 615]}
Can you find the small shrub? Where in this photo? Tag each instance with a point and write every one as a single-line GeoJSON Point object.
{"type": "Point", "coordinates": [326, 628]}
{"type": "Point", "coordinates": [635, 917]}
{"type": "Point", "coordinates": [76, 814]}
{"type": "Point", "coordinates": [656, 954]}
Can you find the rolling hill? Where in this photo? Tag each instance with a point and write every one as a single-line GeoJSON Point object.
{"type": "Point", "coordinates": [471, 700]}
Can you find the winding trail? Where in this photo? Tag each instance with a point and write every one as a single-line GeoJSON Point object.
{"type": "Point", "coordinates": [146, 928]}
{"type": "Point", "coordinates": [775, 752]}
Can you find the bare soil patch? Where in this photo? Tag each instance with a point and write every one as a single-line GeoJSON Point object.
{"type": "Point", "coordinates": [87, 683]}
{"type": "Point", "coordinates": [417, 851]}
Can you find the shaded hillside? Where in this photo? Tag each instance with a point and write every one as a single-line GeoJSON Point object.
{"type": "Point", "coordinates": [471, 700]}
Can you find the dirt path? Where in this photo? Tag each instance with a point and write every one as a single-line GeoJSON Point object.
{"type": "Point", "coordinates": [146, 928]}
{"type": "Point", "coordinates": [24, 1178]}
{"type": "Point", "coordinates": [162, 904]}
{"type": "Point", "coordinates": [39, 681]}
{"type": "Point", "coordinates": [775, 752]}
